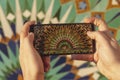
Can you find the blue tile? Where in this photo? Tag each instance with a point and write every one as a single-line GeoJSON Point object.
{"type": "Point", "coordinates": [1, 33]}
{"type": "Point", "coordinates": [12, 46]}
{"type": "Point", "coordinates": [66, 68]}
{"type": "Point", "coordinates": [69, 76]}
{"type": "Point", "coordinates": [13, 27]}
{"type": "Point", "coordinates": [61, 61]}
{"type": "Point", "coordinates": [3, 48]}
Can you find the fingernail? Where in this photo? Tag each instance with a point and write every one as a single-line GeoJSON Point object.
{"type": "Point", "coordinates": [88, 33]}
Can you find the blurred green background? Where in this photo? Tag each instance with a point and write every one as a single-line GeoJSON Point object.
{"type": "Point", "coordinates": [13, 13]}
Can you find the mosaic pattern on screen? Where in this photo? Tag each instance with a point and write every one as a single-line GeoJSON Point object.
{"type": "Point", "coordinates": [63, 39]}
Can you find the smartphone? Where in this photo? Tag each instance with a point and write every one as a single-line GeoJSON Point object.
{"type": "Point", "coordinates": [63, 39]}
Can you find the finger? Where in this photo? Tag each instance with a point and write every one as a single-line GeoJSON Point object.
{"type": "Point", "coordinates": [46, 62]}
{"type": "Point", "coordinates": [31, 37]}
{"type": "Point", "coordinates": [29, 40]}
{"type": "Point", "coordinates": [86, 57]}
{"type": "Point", "coordinates": [110, 35]}
{"type": "Point", "coordinates": [101, 24]}
{"type": "Point", "coordinates": [99, 37]}
{"type": "Point", "coordinates": [96, 58]}
{"type": "Point", "coordinates": [25, 29]}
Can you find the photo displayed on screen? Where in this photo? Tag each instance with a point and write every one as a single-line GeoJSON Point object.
{"type": "Point", "coordinates": [63, 39]}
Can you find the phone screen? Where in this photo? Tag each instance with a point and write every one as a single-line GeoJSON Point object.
{"type": "Point", "coordinates": [63, 39]}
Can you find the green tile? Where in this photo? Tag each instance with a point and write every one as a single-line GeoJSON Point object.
{"type": "Point", "coordinates": [110, 13]}
{"type": "Point", "coordinates": [39, 5]}
{"type": "Point", "coordinates": [23, 4]}
{"type": "Point", "coordinates": [3, 4]}
{"type": "Point", "coordinates": [118, 34]}
{"type": "Point", "coordinates": [115, 23]}
{"type": "Point", "coordinates": [80, 17]}
{"type": "Point", "coordinates": [47, 4]}
{"type": "Point", "coordinates": [12, 5]}
{"type": "Point", "coordinates": [56, 7]}
{"type": "Point", "coordinates": [101, 6]}
{"type": "Point", "coordinates": [72, 15]}
{"type": "Point", "coordinates": [92, 3]}
{"type": "Point", "coordinates": [64, 8]}
{"type": "Point", "coordinates": [30, 4]}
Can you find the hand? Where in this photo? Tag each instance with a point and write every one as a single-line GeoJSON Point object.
{"type": "Point", "coordinates": [32, 65]}
{"type": "Point", "coordinates": [107, 55]}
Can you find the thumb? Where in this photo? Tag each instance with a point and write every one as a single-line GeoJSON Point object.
{"type": "Point", "coordinates": [92, 35]}
{"type": "Point", "coordinates": [31, 37]}
{"type": "Point", "coordinates": [98, 36]}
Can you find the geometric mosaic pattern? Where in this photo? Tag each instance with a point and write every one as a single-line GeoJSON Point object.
{"type": "Point", "coordinates": [13, 13]}
{"type": "Point", "coordinates": [59, 39]}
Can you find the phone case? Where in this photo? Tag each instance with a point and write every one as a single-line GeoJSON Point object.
{"type": "Point", "coordinates": [63, 39]}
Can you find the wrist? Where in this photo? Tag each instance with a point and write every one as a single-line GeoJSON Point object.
{"type": "Point", "coordinates": [38, 76]}
{"type": "Point", "coordinates": [115, 73]}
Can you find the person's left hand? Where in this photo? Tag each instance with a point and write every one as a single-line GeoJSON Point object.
{"type": "Point", "coordinates": [32, 65]}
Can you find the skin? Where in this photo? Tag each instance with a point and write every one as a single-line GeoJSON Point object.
{"type": "Point", "coordinates": [107, 55]}
{"type": "Point", "coordinates": [32, 65]}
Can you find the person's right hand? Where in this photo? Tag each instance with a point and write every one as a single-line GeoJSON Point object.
{"type": "Point", "coordinates": [107, 55]}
